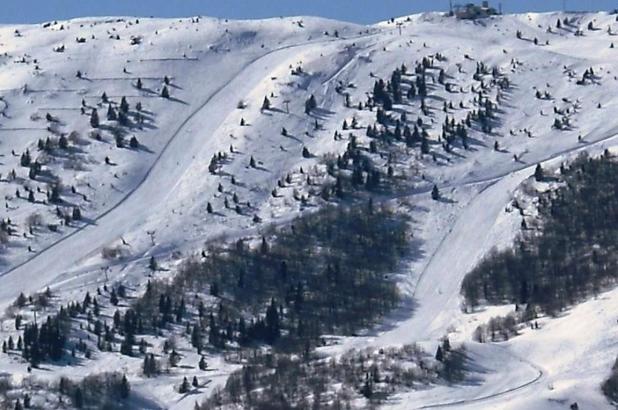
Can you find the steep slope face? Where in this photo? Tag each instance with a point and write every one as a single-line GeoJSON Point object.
{"type": "Point", "coordinates": [210, 65]}
{"type": "Point", "coordinates": [152, 199]}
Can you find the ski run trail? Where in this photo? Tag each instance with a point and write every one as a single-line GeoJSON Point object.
{"type": "Point", "coordinates": [151, 201]}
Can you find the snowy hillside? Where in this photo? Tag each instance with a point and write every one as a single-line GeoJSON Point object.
{"type": "Point", "coordinates": [205, 132]}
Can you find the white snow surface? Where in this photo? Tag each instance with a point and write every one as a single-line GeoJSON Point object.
{"type": "Point", "coordinates": [153, 200]}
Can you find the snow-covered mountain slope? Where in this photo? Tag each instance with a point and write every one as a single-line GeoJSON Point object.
{"type": "Point", "coordinates": [152, 199]}
{"type": "Point", "coordinates": [168, 142]}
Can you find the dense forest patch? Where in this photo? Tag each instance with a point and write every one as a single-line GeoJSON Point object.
{"type": "Point", "coordinates": [329, 272]}
{"type": "Point", "coordinates": [572, 255]}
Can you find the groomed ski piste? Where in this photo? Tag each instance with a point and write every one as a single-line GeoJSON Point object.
{"type": "Point", "coordinates": [151, 200]}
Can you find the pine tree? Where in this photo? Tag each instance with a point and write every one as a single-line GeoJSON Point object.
{"type": "Point", "coordinates": [94, 118]}
{"type": "Point", "coordinates": [424, 146]}
{"type": "Point", "coordinates": [63, 142]}
{"type": "Point", "coordinates": [78, 398]}
{"type": "Point", "coordinates": [202, 364]}
{"type": "Point", "coordinates": [21, 300]}
{"type": "Point", "coordinates": [310, 104]}
{"type": "Point", "coordinates": [446, 345]}
{"type": "Point", "coordinates": [214, 289]}
{"type": "Point", "coordinates": [165, 92]}
{"type": "Point", "coordinates": [25, 159]}
{"type": "Point", "coordinates": [146, 366]}
{"type": "Point", "coordinates": [150, 365]}
{"type": "Point", "coordinates": [125, 388]}
{"type": "Point", "coordinates": [174, 358]}
{"type": "Point", "coordinates": [439, 354]}
{"type": "Point", "coordinates": [124, 105]}
{"type": "Point", "coordinates": [113, 298]}
{"type": "Point", "coordinates": [367, 389]}
{"type": "Point", "coordinates": [126, 347]}
{"type": "Point", "coordinates": [212, 166]}
{"type": "Point", "coordinates": [54, 196]}
{"type": "Point", "coordinates": [139, 84]}
{"type": "Point", "coordinates": [266, 104]}
{"type": "Point", "coordinates": [387, 102]}
{"type": "Point", "coordinates": [538, 173]}
{"type": "Point", "coordinates": [272, 323]}
{"type": "Point", "coordinates": [133, 142]}
{"type": "Point", "coordinates": [184, 387]}
{"type": "Point", "coordinates": [441, 77]}
{"type": "Point", "coordinates": [435, 193]}
{"type": "Point", "coordinates": [152, 264]}
{"type": "Point", "coordinates": [195, 382]}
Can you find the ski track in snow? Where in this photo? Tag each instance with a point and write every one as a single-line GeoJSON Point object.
{"type": "Point", "coordinates": [514, 379]}
{"type": "Point", "coordinates": [25, 266]}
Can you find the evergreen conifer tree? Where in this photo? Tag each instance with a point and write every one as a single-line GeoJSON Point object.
{"type": "Point", "coordinates": [266, 104]}
{"type": "Point", "coordinates": [539, 174]}
{"type": "Point", "coordinates": [94, 119]}
{"type": "Point", "coordinates": [184, 386]}
{"type": "Point", "coordinates": [439, 354]}
{"type": "Point", "coordinates": [125, 388]}
{"type": "Point", "coordinates": [165, 93]}
{"type": "Point", "coordinates": [435, 193]}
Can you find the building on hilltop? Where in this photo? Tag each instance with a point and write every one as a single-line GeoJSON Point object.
{"type": "Point", "coordinates": [473, 11]}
